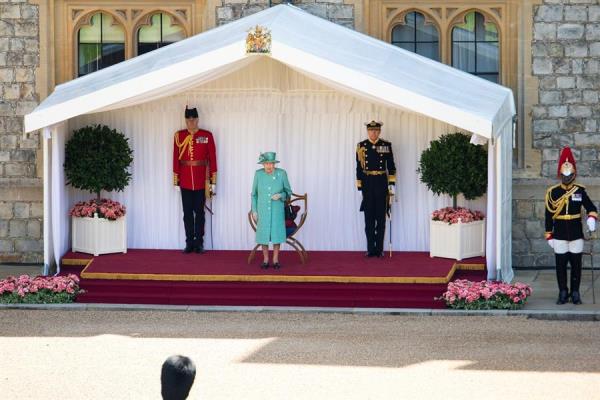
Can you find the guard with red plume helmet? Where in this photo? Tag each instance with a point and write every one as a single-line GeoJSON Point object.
{"type": "Point", "coordinates": [564, 229]}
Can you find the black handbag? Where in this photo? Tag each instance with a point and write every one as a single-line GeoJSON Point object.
{"type": "Point", "coordinates": [290, 213]}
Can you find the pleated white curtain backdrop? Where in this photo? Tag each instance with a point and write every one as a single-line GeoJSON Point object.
{"type": "Point", "coordinates": [269, 107]}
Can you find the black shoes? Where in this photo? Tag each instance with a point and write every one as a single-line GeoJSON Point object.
{"type": "Point", "coordinates": [374, 254]}
{"type": "Point", "coordinates": [563, 297]}
{"type": "Point", "coordinates": [197, 249]}
{"type": "Point", "coordinates": [266, 265]}
{"type": "Point", "coordinates": [576, 297]}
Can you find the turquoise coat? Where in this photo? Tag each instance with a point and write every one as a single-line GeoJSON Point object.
{"type": "Point", "coordinates": [271, 215]}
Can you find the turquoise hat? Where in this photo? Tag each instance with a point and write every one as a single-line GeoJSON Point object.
{"type": "Point", "coordinates": [269, 156]}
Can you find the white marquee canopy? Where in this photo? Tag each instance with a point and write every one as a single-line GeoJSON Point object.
{"type": "Point", "coordinates": [331, 66]}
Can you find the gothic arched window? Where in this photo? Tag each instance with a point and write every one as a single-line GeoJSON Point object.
{"type": "Point", "coordinates": [161, 32]}
{"type": "Point", "coordinates": [475, 47]}
{"type": "Point", "coordinates": [100, 44]}
{"type": "Point", "coordinates": [417, 35]}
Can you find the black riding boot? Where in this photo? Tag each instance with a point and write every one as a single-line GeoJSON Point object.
{"type": "Point", "coordinates": [561, 277]}
{"type": "Point", "coordinates": [575, 261]}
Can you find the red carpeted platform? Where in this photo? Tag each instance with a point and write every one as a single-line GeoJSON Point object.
{"type": "Point", "coordinates": [335, 279]}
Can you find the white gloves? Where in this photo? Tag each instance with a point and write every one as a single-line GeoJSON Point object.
{"type": "Point", "coordinates": [551, 242]}
{"type": "Point", "coordinates": [213, 189]}
{"type": "Point", "coordinates": [276, 196]}
{"type": "Point", "coordinates": [591, 223]}
{"type": "Point", "coordinates": [391, 190]}
{"type": "Point", "coordinates": [255, 216]}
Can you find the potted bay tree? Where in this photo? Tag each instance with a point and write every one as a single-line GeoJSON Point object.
{"type": "Point", "coordinates": [453, 166]}
{"type": "Point", "coordinates": [97, 159]}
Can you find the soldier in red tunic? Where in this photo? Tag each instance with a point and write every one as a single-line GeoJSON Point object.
{"type": "Point", "coordinates": [195, 172]}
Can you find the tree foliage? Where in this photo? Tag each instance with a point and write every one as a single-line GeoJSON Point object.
{"type": "Point", "coordinates": [98, 158]}
{"type": "Point", "coordinates": [452, 165]}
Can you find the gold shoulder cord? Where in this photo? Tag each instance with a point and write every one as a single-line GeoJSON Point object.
{"type": "Point", "coordinates": [361, 155]}
{"type": "Point", "coordinates": [556, 206]}
{"type": "Point", "coordinates": [183, 146]}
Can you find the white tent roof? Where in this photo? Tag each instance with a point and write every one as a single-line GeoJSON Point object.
{"type": "Point", "coordinates": [339, 56]}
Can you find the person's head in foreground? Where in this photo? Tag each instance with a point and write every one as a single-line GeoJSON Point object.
{"type": "Point", "coordinates": [176, 377]}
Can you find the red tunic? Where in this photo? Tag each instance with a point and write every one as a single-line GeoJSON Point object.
{"type": "Point", "coordinates": [194, 159]}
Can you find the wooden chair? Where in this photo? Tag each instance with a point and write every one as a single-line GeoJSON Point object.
{"type": "Point", "coordinates": [296, 199]}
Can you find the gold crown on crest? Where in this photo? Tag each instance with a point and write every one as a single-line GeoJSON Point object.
{"type": "Point", "coordinates": [258, 40]}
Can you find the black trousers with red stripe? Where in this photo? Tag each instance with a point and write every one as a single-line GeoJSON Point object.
{"type": "Point", "coordinates": [374, 205]}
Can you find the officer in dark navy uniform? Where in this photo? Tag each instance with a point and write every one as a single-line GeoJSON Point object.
{"type": "Point", "coordinates": [375, 177]}
{"type": "Point", "coordinates": [564, 230]}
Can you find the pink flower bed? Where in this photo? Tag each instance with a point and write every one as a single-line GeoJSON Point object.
{"type": "Point", "coordinates": [485, 295]}
{"type": "Point", "coordinates": [39, 289]}
{"type": "Point", "coordinates": [106, 208]}
{"type": "Point", "coordinates": [456, 215]}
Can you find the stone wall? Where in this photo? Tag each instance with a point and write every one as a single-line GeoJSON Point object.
{"type": "Point", "coordinates": [20, 188]}
{"type": "Point", "coordinates": [333, 10]}
{"type": "Point", "coordinates": [566, 61]}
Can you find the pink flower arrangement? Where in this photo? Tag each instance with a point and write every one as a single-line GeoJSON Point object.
{"type": "Point", "coordinates": [106, 208]}
{"type": "Point", "coordinates": [39, 289]}
{"type": "Point", "coordinates": [485, 295]}
{"type": "Point", "coordinates": [456, 215]}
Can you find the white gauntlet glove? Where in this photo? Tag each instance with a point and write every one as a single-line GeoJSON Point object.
{"type": "Point", "coordinates": [213, 189]}
{"type": "Point", "coordinates": [391, 190]}
{"type": "Point", "coordinates": [551, 242]}
{"type": "Point", "coordinates": [276, 196]}
{"type": "Point", "coordinates": [255, 216]}
{"type": "Point", "coordinates": [591, 223]}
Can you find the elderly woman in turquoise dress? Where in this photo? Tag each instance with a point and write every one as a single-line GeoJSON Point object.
{"type": "Point", "coordinates": [270, 190]}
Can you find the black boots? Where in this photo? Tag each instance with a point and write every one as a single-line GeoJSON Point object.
{"type": "Point", "coordinates": [561, 276]}
{"type": "Point", "coordinates": [575, 261]}
{"type": "Point", "coordinates": [563, 297]}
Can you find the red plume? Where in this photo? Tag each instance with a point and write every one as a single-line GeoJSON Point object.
{"type": "Point", "coordinates": [566, 155]}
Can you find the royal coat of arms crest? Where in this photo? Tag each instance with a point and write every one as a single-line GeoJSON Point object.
{"type": "Point", "coordinates": [258, 40]}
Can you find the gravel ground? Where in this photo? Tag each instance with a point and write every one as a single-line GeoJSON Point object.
{"type": "Point", "coordinates": [118, 354]}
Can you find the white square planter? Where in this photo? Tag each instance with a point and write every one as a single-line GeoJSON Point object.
{"type": "Point", "coordinates": [457, 241]}
{"type": "Point", "coordinates": [99, 235]}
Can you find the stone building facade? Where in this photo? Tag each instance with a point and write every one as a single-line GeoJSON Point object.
{"type": "Point", "coordinates": [566, 62]}
{"type": "Point", "coordinates": [549, 57]}
{"type": "Point", "coordinates": [20, 182]}
{"type": "Point", "coordinates": [333, 10]}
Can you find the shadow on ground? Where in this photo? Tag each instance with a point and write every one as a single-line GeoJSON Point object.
{"type": "Point", "coordinates": [488, 343]}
